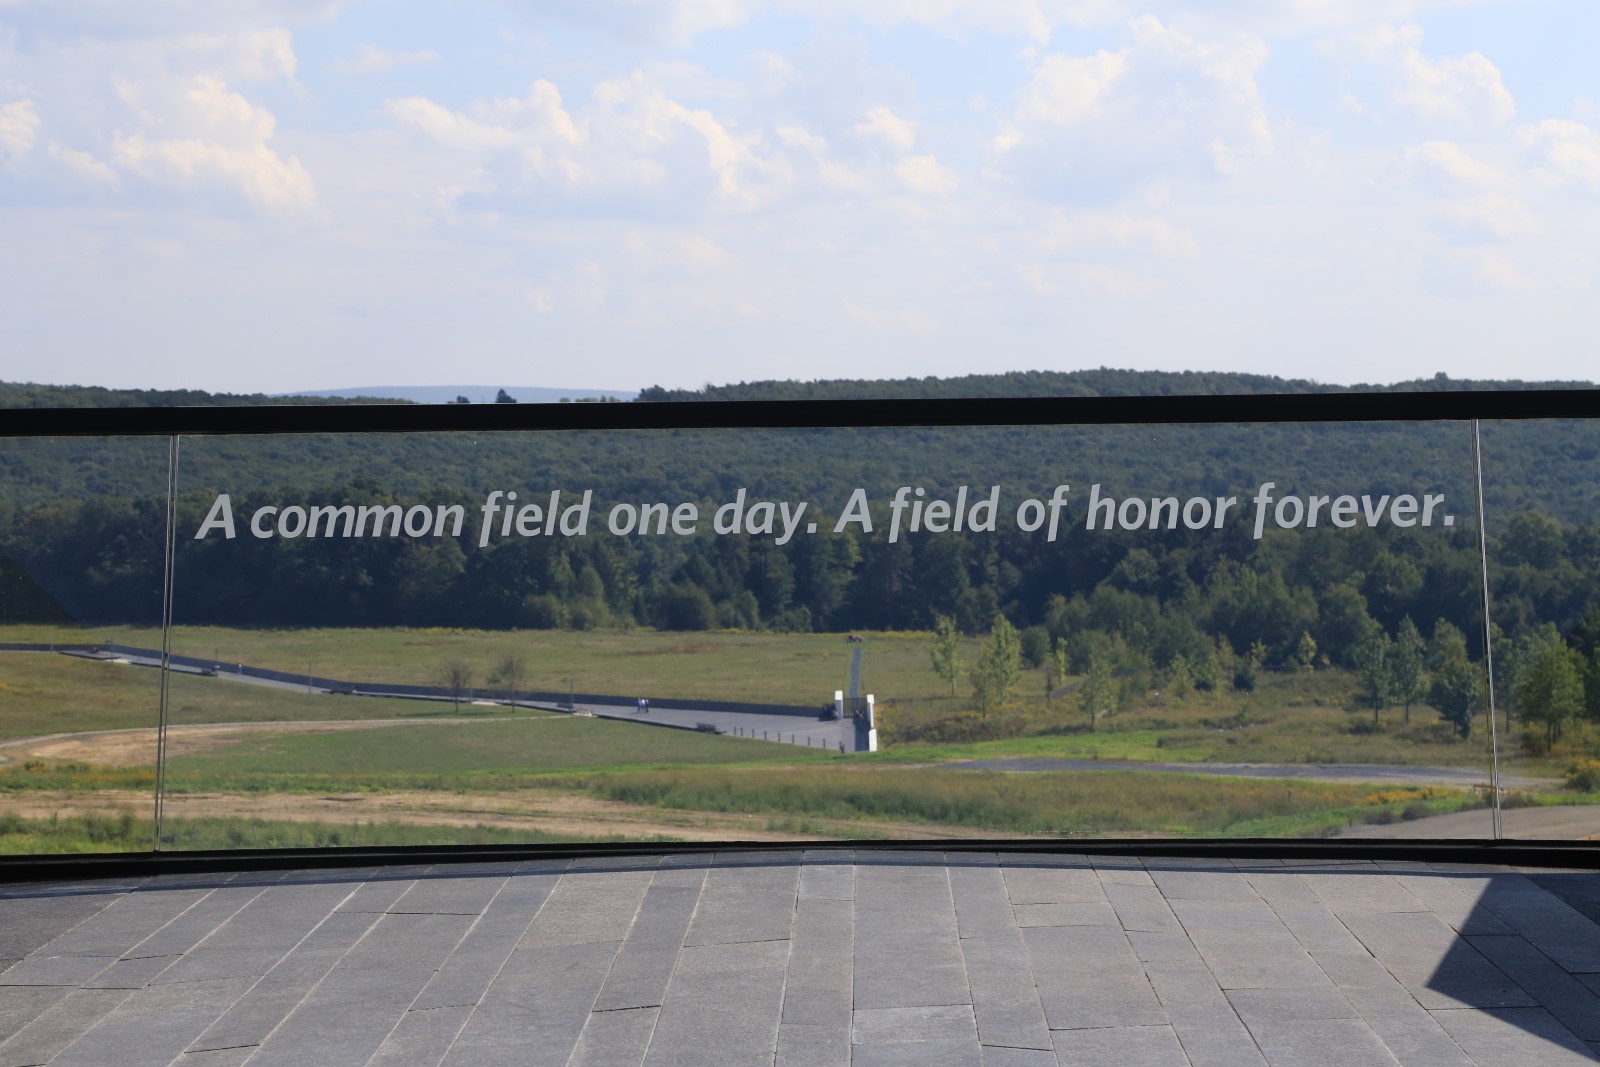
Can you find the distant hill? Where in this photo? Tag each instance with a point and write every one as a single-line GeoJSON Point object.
{"type": "Point", "coordinates": [477, 394]}
{"type": "Point", "coordinates": [1102, 381]}
{"type": "Point", "coordinates": [33, 395]}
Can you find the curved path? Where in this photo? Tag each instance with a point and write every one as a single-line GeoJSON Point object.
{"type": "Point", "coordinates": [1377, 773]}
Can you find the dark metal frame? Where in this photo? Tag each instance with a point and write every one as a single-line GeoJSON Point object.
{"type": "Point", "coordinates": [1457, 406]}
{"type": "Point", "coordinates": [832, 414]}
{"type": "Point", "coordinates": [1575, 855]}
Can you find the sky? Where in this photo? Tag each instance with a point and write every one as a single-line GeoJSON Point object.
{"type": "Point", "coordinates": [276, 195]}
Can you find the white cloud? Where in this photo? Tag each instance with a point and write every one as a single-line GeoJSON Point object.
{"type": "Point", "coordinates": [189, 165]}
{"type": "Point", "coordinates": [19, 129]}
{"type": "Point", "coordinates": [371, 59]}
{"type": "Point", "coordinates": [882, 124]}
{"type": "Point", "coordinates": [1570, 149]}
{"type": "Point", "coordinates": [633, 149]}
{"type": "Point", "coordinates": [1477, 272]}
{"type": "Point", "coordinates": [1448, 160]}
{"type": "Point", "coordinates": [926, 175]}
{"type": "Point", "coordinates": [84, 166]}
{"type": "Point", "coordinates": [1067, 89]}
{"type": "Point", "coordinates": [1463, 89]}
{"type": "Point", "coordinates": [1099, 126]}
{"type": "Point", "coordinates": [166, 117]}
{"type": "Point", "coordinates": [201, 136]}
{"type": "Point", "coordinates": [1475, 200]}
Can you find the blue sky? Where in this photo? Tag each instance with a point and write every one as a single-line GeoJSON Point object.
{"type": "Point", "coordinates": [301, 194]}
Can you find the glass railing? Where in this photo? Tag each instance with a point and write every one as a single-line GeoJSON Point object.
{"type": "Point", "coordinates": [83, 527]}
{"type": "Point", "coordinates": [645, 628]}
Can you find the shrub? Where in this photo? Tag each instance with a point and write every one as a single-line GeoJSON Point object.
{"type": "Point", "coordinates": [542, 612]}
{"type": "Point", "coordinates": [687, 607]}
{"type": "Point", "coordinates": [1584, 776]}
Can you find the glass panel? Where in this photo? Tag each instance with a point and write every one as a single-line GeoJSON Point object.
{"type": "Point", "coordinates": [391, 648]}
{"type": "Point", "coordinates": [82, 541]}
{"type": "Point", "coordinates": [1542, 499]}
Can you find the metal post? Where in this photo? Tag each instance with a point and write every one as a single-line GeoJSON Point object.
{"type": "Point", "coordinates": [1488, 636]}
{"type": "Point", "coordinates": [166, 641]}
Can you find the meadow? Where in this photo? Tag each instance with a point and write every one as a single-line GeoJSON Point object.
{"type": "Point", "coordinates": [772, 668]}
{"type": "Point", "coordinates": [1298, 717]}
{"type": "Point", "coordinates": [661, 776]}
{"type": "Point", "coordinates": [50, 694]}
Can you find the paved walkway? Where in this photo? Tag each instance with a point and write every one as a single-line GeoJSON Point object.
{"type": "Point", "coordinates": [815, 958]}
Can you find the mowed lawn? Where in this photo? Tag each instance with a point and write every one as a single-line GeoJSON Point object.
{"type": "Point", "coordinates": [802, 669]}
{"type": "Point", "coordinates": [43, 693]}
{"type": "Point", "coordinates": [482, 754]}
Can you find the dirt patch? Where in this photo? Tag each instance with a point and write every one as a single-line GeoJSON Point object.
{"type": "Point", "coordinates": [568, 815]}
{"type": "Point", "coordinates": [137, 748]}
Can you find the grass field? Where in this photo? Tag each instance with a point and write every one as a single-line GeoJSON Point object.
{"type": "Point", "coordinates": [44, 694]}
{"type": "Point", "coordinates": [800, 669]}
{"type": "Point", "coordinates": [126, 833]}
{"type": "Point", "coordinates": [661, 777]}
{"type": "Point", "coordinates": [469, 755]}
{"type": "Point", "coordinates": [1102, 803]}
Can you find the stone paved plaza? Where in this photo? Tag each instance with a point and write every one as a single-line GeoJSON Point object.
{"type": "Point", "coordinates": [814, 958]}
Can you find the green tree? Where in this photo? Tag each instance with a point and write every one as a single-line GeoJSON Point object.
{"type": "Point", "coordinates": [946, 651]}
{"type": "Point", "coordinates": [509, 674]}
{"type": "Point", "coordinates": [1408, 682]}
{"type": "Point", "coordinates": [1448, 643]}
{"type": "Point", "coordinates": [1456, 693]}
{"type": "Point", "coordinates": [1180, 679]}
{"type": "Point", "coordinates": [1057, 673]}
{"type": "Point", "coordinates": [1099, 694]}
{"type": "Point", "coordinates": [1551, 691]}
{"type": "Point", "coordinates": [998, 667]}
{"type": "Point", "coordinates": [1515, 659]}
{"type": "Point", "coordinates": [1305, 653]}
{"type": "Point", "coordinates": [1373, 663]}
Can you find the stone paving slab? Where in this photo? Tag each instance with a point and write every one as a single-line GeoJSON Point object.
{"type": "Point", "coordinates": [825, 958]}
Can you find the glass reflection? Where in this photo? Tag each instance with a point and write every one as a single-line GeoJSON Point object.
{"type": "Point", "coordinates": [82, 546]}
{"type": "Point", "coordinates": [1108, 631]}
{"type": "Point", "coordinates": [1543, 504]}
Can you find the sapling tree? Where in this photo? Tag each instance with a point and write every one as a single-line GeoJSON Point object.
{"type": "Point", "coordinates": [456, 676]}
{"type": "Point", "coordinates": [998, 668]}
{"type": "Point", "coordinates": [509, 674]}
{"type": "Point", "coordinates": [946, 651]}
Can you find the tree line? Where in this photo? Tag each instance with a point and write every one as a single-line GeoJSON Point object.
{"type": "Point", "coordinates": [1401, 608]}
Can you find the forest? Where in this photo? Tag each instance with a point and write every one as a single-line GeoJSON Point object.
{"type": "Point", "coordinates": [82, 535]}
